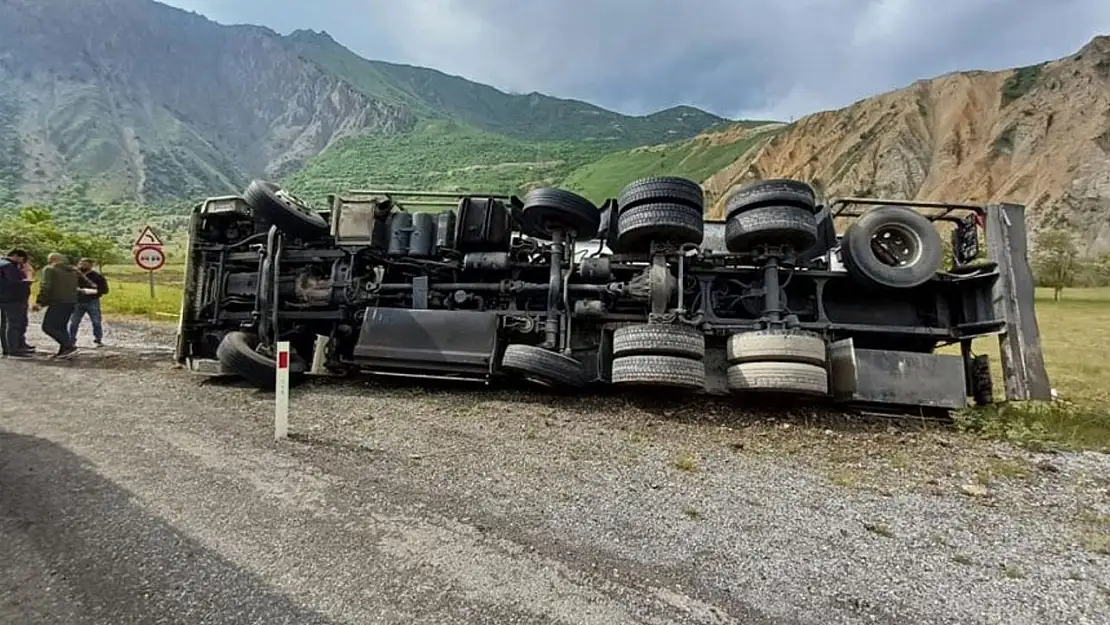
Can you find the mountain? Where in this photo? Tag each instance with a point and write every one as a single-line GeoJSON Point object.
{"type": "Point", "coordinates": [132, 100]}
{"type": "Point", "coordinates": [432, 94]}
{"type": "Point", "coordinates": [1038, 136]}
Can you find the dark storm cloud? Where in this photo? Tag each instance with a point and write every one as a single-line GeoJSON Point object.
{"type": "Point", "coordinates": [735, 57]}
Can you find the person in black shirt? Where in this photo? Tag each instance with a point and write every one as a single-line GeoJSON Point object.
{"type": "Point", "coordinates": [15, 295]}
{"type": "Point", "coordinates": [91, 287]}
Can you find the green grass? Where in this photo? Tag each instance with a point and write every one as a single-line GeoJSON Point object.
{"type": "Point", "coordinates": [1075, 338]}
{"type": "Point", "coordinates": [129, 292]}
{"type": "Point", "coordinates": [696, 159]}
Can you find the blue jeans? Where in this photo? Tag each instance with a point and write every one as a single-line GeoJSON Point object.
{"type": "Point", "coordinates": [92, 307]}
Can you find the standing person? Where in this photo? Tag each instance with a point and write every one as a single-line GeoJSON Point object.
{"type": "Point", "coordinates": [92, 286]}
{"type": "Point", "coordinates": [15, 294]}
{"type": "Point", "coordinates": [58, 293]}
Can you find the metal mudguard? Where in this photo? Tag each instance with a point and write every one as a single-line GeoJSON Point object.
{"type": "Point", "coordinates": [427, 341]}
{"type": "Point", "coordinates": [895, 378]}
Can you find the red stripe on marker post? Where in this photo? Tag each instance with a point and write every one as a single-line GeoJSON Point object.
{"type": "Point", "coordinates": [283, 360]}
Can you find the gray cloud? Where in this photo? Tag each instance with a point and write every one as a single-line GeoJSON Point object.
{"type": "Point", "coordinates": [740, 58]}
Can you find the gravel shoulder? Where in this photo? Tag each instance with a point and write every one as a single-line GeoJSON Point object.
{"type": "Point", "coordinates": [131, 490]}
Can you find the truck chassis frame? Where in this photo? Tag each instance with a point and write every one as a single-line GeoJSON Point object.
{"type": "Point", "coordinates": [366, 297]}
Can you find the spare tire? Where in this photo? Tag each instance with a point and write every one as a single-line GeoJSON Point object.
{"type": "Point", "coordinates": [892, 247]}
{"type": "Point", "coordinates": [662, 189]}
{"type": "Point", "coordinates": [771, 192]}
{"type": "Point", "coordinates": [549, 209]}
{"type": "Point", "coordinates": [771, 225]}
{"type": "Point", "coordinates": [238, 353]}
{"type": "Point", "coordinates": [664, 223]}
{"type": "Point", "coordinates": [282, 209]}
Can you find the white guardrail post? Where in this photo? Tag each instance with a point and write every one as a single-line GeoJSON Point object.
{"type": "Point", "coordinates": [281, 392]}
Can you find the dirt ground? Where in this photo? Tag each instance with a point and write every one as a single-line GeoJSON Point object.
{"type": "Point", "coordinates": [132, 491]}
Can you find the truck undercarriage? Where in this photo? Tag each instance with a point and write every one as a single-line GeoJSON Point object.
{"type": "Point", "coordinates": [556, 291]}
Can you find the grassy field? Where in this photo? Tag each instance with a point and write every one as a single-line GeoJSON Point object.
{"type": "Point", "coordinates": [1075, 336]}
{"type": "Point", "coordinates": [129, 292]}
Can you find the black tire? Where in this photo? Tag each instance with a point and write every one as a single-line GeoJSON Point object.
{"type": "Point", "coordinates": [549, 209]}
{"type": "Point", "coordinates": [543, 367]}
{"type": "Point", "coordinates": [779, 377]}
{"type": "Point", "coordinates": [776, 346]}
{"type": "Point", "coordinates": [911, 247]}
{"type": "Point", "coordinates": [771, 192]}
{"type": "Point", "coordinates": [659, 340]}
{"type": "Point", "coordinates": [771, 225]}
{"type": "Point", "coordinates": [662, 223]}
{"type": "Point", "coordinates": [668, 371]}
{"type": "Point", "coordinates": [662, 189]}
{"type": "Point", "coordinates": [290, 215]}
{"type": "Point", "coordinates": [237, 353]}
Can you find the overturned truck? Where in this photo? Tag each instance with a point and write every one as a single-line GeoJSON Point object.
{"type": "Point", "coordinates": [553, 290]}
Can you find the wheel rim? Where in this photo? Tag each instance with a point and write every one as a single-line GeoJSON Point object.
{"type": "Point", "coordinates": [895, 245]}
{"type": "Point", "coordinates": [292, 201]}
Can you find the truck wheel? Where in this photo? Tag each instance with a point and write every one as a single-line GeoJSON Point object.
{"type": "Point", "coordinates": [777, 346]}
{"type": "Point", "coordinates": [771, 225]}
{"type": "Point", "coordinates": [892, 247]}
{"type": "Point", "coordinates": [238, 353]}
{"type": "Point", "coordinates": [771, 192]}
{"type": "Point", "coordinates": [662, 189]}
{"type": "Point", "coordinates": [549, 209]}
{"type": "Point", "coordinates": [662, 223]}
{"type": "Point", "coordinates": [285, 211]}
{"type": "Point", "coordinates": [783, 377]}
{"type": "Point", "coordinates": [543, 367]}
{"type": "Point", "coordinates": [668, 371]}
{"type": "Point", "coordinates": [659, 340]}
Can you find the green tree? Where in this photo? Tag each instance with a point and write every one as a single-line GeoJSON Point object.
{"type": "Point", "coordinates": [1056, 261]}
{"type": "Point", "coordinates": [34, 229]}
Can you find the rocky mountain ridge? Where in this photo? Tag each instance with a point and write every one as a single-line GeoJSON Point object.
{"type": "Point", "coordinates": [1038, 136]}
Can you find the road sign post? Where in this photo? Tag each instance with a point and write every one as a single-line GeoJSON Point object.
{"type": "Point", "coordinates": [281, 392]}
{"type": "Point", "coordinates": [149, 254]}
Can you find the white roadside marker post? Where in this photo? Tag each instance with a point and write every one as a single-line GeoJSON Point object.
{"type": "Point", "coordinates": [281, 392]}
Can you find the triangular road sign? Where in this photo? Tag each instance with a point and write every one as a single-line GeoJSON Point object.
{"type": "Point", "coordinates": [148, 238]}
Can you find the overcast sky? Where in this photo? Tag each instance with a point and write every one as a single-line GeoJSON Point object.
{"type": "Point", "coordinates": [738, 58]}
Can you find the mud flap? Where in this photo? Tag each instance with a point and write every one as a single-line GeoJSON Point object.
{"type": "Point", "coordinates": [843, 370]}
{"type": "Point", "coordinates": [320, 355]}
{"type": "Point", "coordinates": [896, 378]}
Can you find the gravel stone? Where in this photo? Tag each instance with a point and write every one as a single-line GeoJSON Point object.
{"type": "Point", "coordinates": [145, 494]}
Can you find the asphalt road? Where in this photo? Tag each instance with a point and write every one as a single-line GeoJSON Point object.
{"type": "Point", "coordinates": [132, 493]}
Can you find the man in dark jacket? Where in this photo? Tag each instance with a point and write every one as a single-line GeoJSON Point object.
{"type": "Point", "coordinates": [58, 293]}
{"type": "Point", "coordinates": [91, 287]}
{"type": "Point", "coordinates": [15, 295]}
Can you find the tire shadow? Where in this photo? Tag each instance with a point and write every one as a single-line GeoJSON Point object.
{"type": "Point", "coordinates": [79, 549]}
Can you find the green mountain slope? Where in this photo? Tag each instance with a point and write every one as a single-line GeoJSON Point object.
{"type": "Point", "coordinates": [440, 155]}
{"type": "Point", "coordinates": [696, 159]}
{"type": "Point", "coordinates": [434, 94]}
